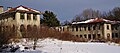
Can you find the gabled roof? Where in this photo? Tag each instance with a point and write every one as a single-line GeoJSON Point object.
{"type": "Point", "coordinates": [96, 20]}
{"type": "Point", "coordinates": [22, 8]}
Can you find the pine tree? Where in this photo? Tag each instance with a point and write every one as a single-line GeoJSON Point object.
{"type": "Point", "coordinates": [49, 19]}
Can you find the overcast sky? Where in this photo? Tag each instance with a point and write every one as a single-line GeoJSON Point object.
{"type": "Point", "coordinates": [64, 9]}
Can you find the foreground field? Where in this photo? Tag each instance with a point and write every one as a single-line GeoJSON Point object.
{"type": "Point", "coordinates": [57, 46]}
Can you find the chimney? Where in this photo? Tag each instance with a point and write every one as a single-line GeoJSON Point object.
{"type": "Point", "coordinates": [1, 9]}
{"type": "Point", "coordinates": [8, 8]}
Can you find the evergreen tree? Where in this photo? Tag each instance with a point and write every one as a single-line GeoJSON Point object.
{"type": "Point", "coordinates": [49, 19]}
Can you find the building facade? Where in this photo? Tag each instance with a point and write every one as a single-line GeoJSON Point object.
{"type": "Point", "coordinates": [22, 17]}
{"type": "Point", "coordinates": [97, 28]}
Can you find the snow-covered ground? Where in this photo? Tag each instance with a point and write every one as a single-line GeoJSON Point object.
{"type": "Point", "coordinates": [58, 46]}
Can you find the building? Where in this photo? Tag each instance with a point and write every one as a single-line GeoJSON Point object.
{"type": "Point", "coordinates": [97, 28]}
{"type": "Point", "coordinates": [22, 17]}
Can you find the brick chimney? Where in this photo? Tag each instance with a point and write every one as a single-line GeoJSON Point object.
{"type": "Point", "coordinates": [8, 8]}
{"type": "Point", "coordinates": [1, 9]}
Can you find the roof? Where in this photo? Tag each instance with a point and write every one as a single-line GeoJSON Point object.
{"type": "Point", "coordinates": [22, 8]}
{"type": "Point", "coordinates": [96, 20]}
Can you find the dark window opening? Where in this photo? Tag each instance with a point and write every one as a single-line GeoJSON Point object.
{"type": "Point", "coordinates": [94, 36]}
{"type": "Point", "coordinates": [22, 28]}
{"type": "Point", "coordinates": [89, 36]}
{"type": "Point", "coordinates": [85, 36]}
{"type": "Point", "coordinates": [113, 35]}
{"type": "Point", "coordinates": [116, 35]}
{"type": "Point", "coordinates": [77, 36]}
{"type": "Point", "coordinates": [80, 36]}
{"type": "Point", "coordinates": [116, 28]}
{"type": "Point", "coordinates": [89, 28]}
{"type": "Point", "coordinates": [29, 28]}
{"type": "Point", "coordinates": [28, 16]}
{"type": "Point", "coordinates": [76, 28]}
{"type": "Point", "coordinates": [112, 28]}
{"type": "Point", "coordinates": [98, 27]}
{"type": "Point", "coordinates": [85, 28]}
{"type": "Point", "coordinates": [80, 28]}
{"type": "Point", "coordinates": [67, 28]}
{"type": "Point", "coordinates": [13, 18]}
{"type": "Point", "coordinates": [22, 16]}
{"type": "Point", "coordinates": [99, 36]}
{"type": "Point", "coordinates": [93, 27]}
{"type": "Point", "coordinates": [34, 17]}
{"type": "Point", "coordinates": [108, 27]}
{"type": "Point", "coordinates": [13, 28]}
{"type": "Point", "coordinates": [60, 29]}
{"type": "Point", "coordinates": [63, 28]}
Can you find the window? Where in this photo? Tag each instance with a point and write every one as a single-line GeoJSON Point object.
{"type": "Point", "coordinates": [108, 27]}
{"type": "Point", "coordinates": [93, 27]}
{"type": "Point", "coordinates": [28, 16]}
{"type": "Point", "coordinates": [63, 28]}
{"type": "Point", "coordinates": [112, 28]}
{"type": "Point", "coordinates": [34, 17]}
{"type": "Point", "coordinates": [80, 36]}
{"type": "Point", "coordinates": [116, 35]}
{"type": "Point", "coordinates": [76, 28]}
{"type": "Point", "coordinates": [22, 28]}
{"type": "Point", "coordinates": [113, 35]}
{"type": "Point", "coordinates": [89, 36]}
{"type": "Point", "coordinates": [72, 28]}
{"type": "Point", "coordinates": [29, 28]}
{"type": "Point", "coordinates": [77, 36]}
{"type": "Point", "coordinates": [85, 36]}
{"type": "Point", "coordinates": [13, 28]}
{"type": "Point", "coordinates": [67, 28]}
{"type": "Point", "coordinates": [99, 36]}
{"type": "Point", "coordinates": [80, 28]}
{"type": "Point", "coordinates": [89, 28]}
{"type": "Point", "coordinates": [13, 16]}
{"type": "Point", "coordinates": [98, 27]}
{"type": "Point", "coordinates": [21, 15]}
{"type": "Point", "coordinates": [60, 29]}
{"type": "Point", "coordinates": [94, 36]}
{"type": "Point", "coordinates": [85, 28]}
{"type": "Point", "coordinates": [116, 28]}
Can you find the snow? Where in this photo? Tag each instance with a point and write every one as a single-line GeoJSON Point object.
{"type": "Point", "coordinates": [92, 20]}
{"type": "Point", "coordinates": [83, 21]}
{"type": "Point", "coordinates": [57, 46]}
{"type": "Point", "coordinates": [21, 8]}
{"type": "Point", "coordinates": [35, 11]}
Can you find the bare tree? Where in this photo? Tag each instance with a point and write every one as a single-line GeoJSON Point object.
{"type": "Point", "coordinates": [6, 34]}
{"type": "Point", "coordinates": [87, 14]}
